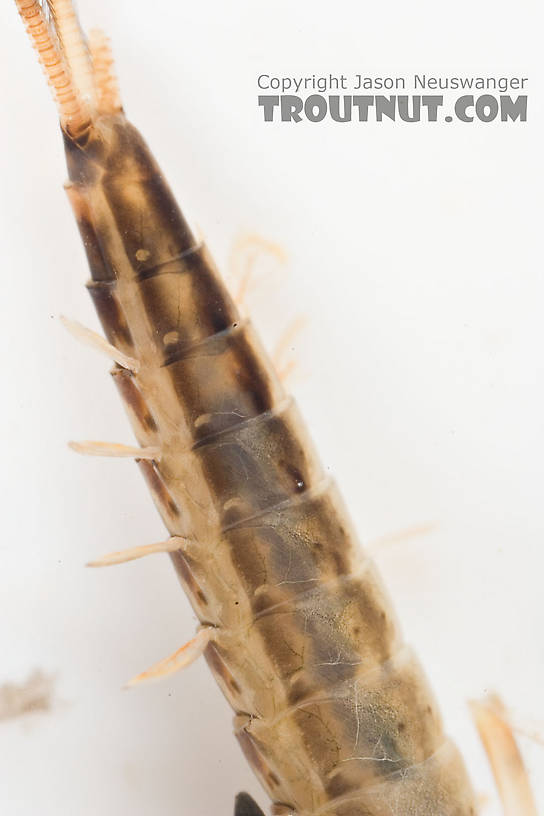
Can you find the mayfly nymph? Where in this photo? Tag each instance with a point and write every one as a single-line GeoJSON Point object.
{"type": "Point", "coordinates": [332, 708]}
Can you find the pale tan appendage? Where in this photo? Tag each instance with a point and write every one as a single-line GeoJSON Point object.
{"type": "Point", "coordinates": [506, 762]}
{"type": "Point", "coordinates": [283, 364]}
{"type": "Point", "coordinates": [172, 544]}
{"type": "Point", "coordinates": [90, 447]}
{"type": "Point", "coordinates": [245, 251]}
{"type": "Point", "coordinates": [98, 342]}
{"type": "Point", "coordinates": [107, 88]}
{"type": "Point", "coordinates": [181, 658]}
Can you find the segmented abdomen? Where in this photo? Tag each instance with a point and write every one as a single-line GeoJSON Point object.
{"type": "Point", "coordinates": [332, 709]}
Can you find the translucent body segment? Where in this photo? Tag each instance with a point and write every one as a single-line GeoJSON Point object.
{"type": "Point", "coordinates": [224, 380]}
{"type": "Point", "coordinates": [304, 603]}
{"type": "Point", "coordinates": [308, 645]}
{"type": "Point", "coordinates": [352, 734]}
{"type": "Point", "coordinates": [192, 280]}
{"type": "Point", "coordinates": [256, 465]}
{"type": "Point", "coordinates": [329, 633]}
{"type": "Point", "coordinates": [436, 787]}
{"type": "Point", "coordinates": [292, 546]}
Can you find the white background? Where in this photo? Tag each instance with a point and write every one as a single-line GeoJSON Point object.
{"type": "Point", "coordinates": [415, 252]}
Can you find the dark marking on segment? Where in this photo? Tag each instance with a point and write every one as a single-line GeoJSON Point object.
{"type": "Point", "coordinates": [257, 761]}
{"type": "Point", "coordinates": [224, 381]}
{"type": "Point", "coordinates": [159, 491]}
{"type": "Point", "coordinates": [281, 553]}
{"type": "Point", "coordinates": [132, 397]}
{"type": "Point", "coordinates": [148, 219]}
{"type": "Point", "coordinates": [99, 269]}
{"type": "Point", "coordinates": [111, 314]}
{"type": "Point", "coordinates": [259, 464]}
{"type": "Point", "coordinates": [281, 809]}
{"type": "Point", "coordinates": [179, 263]}
{"type": "Point", "coordinates": [220, 670]}
{"type": "Point", "coordinates": [339, 784]}
{"type": "Point", "coordinates": [186, 302]}
{"type": "Point", "coordinates": [187, 577]}
{"type": "Point", "coordinates": [302, 688]}
{"type": "Point", "coordinates": [84, 156]}
{"type": "Point", "coordinates": [299, 485]}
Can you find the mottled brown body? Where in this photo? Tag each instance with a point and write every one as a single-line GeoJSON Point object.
{"type": "Point", "coordinates": [332, 709]}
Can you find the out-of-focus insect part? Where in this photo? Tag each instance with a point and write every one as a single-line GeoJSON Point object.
{"type": "Point", "coordinates": [35, 694]}
{"type": "Point", "coordinates": [491, 718]}
{"type": "Point", "coordinates": [244, 805]}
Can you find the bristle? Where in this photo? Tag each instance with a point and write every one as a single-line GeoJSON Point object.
{"type": "Point", "coordinates": [73, 113]}
{"type": "Point", "coordinates": [107, 88]}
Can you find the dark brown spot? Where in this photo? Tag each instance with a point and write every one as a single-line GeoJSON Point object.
{"type": "Point", "coordinates": [234, 685]}
{"type": "Point", "coordinates": [302, 687]}
{"type": "Point", "coordinates": [187, 577]}
{"type": "Point", "coordinates": [339, 784]}
{"type": "Point", "coordinates": [273, 779]}
{"type": "Point", "coordinates": [157, 487]}
{"type": "Point", "coordinates": [111, 314]}
{"type": "Point", "coordinates": [220, 669]}
{"type": "Point", "coordinates": [97, 265]}
{"type": "Point", "coordinates": [186, 302]}
{"type": "Point", "coordinates": [132, 396]}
